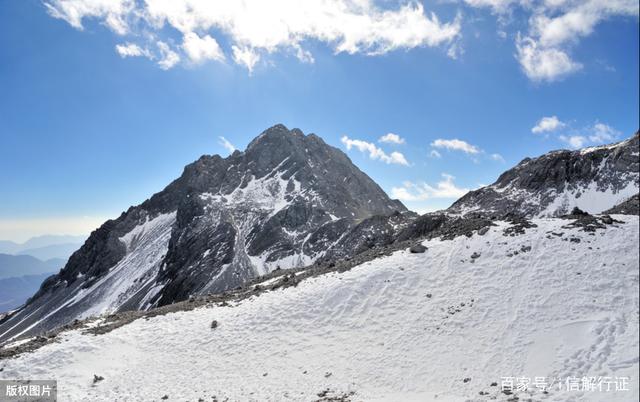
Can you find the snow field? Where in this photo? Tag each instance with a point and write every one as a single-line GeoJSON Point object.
{"type": "Point", "coordinates": [404, 327]}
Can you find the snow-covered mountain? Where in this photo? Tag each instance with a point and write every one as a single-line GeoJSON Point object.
{"type": "Point", "coordinates": [550, 301]}
{"type": "Point", "coordinates": [282, 203]}
{"type": "Point", "coordinates": [593, 179]}
{"type": "Point", "coordinates": [378, 304]}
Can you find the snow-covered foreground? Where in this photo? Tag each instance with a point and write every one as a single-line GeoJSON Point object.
{"type": "Point", "coordinates": [431, 326]}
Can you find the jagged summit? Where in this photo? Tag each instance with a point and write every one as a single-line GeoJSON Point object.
{"type": "Point", "coordinates": [307, 158]}
{"type": "Point", "coordinates": [593, 179]}
{"type": "Point", "coordinates": [282, 203]}
{"type": "Point", "coordinates": [279, 134]}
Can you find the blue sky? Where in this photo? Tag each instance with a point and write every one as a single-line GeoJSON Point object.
{"type": "Point", "coordinates": [100, 107]}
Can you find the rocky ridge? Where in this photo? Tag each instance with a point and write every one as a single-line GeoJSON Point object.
{"type": "Point", "coordinates": [593, 179]}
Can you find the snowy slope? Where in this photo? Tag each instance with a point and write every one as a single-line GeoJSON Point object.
{"type": "Point", "coordinates": [146, 245]}
{"type": "Point", "coordinates": [404, 327]}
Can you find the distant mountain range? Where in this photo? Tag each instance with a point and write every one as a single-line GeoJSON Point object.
{"type": "Point", "coordinates": [44, 247]}
{"type": "Point", "coordinates": [15, 291]}
{"type": "Point", "coordinates": [24, 266]}
{"type": "Point", "coordinates": [21, 276]}
{"type": "Point", "coordinates": [12, 266]}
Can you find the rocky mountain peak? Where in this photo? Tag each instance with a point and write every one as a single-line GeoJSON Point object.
{"type": "Point", "coordinates": [283, 202]}
{"type": "Point", "coordinates": [278, 134]}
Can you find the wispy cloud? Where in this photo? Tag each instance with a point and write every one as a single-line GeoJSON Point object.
{"type": "Point", "coordinates": [255, 28]}
{"type": "Point", "coordinates": [546, 124]}
{"type": "Point", "coordinates": [435, 154]}
{"type": "Point", "coordinates": [421, 191]}
{"type": "Point", "coordinates": [456, 145]}
{"type": "Point", "coordinates": [574, 141]}
{"type": "Point", "coordinates": [596, 134]}
{"type": "Point", "coordinates": [602, 133]}
{"type": "Point", "coordinates": [132, 50]}
{"type": "Point", "coordinates": [554, 27]}
{"type": "Point", "coordinates": [203, 48]}
{"type": "Point", "coordinates": [168, 57]}
{"type": "Point", "coordinates": [226, 144]}
{"type": "Point", "coordinates": [391, 138]}
{"type": "Point", "coordinates": [245, 56]}
{"type": "Point", "coordinates": [374, 152]}
{"type": "Point", "coordinates": [497, 157]}
{"type": "Point", "coordinates": [112, 13]}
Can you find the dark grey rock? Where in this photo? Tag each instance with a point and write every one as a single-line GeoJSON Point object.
{"type": "Point", "coordinates": [534, 184]}
{"type": "Point", "coordinates": [578, 212]}
{"type": "Point", "coordinates": [418, 248]}
{"type": "Point", "coordinates": [483, 231]}
{"type": "Point", "coordinates": [607, 219]}
{"type": "Point", "coordinates": [630, 206]}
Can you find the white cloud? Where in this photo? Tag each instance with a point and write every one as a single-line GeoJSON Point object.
{"type": "Point", "coordinates": [113, 13]}
{"type": "Point", "coordinates": [169, 58]}
{"type": "Point", "coordinates": [497, 157]}
{"type": "Point", "coordinates": [455, 145]}
{"type": "Point", "coordinates": [498, 6]}
{"type": "Point", "coordinates": [475, 153]}
{"type": "Point", "coordinates": [547, 124]}
{"type": "Point", "coordinates": [574, 141]}
{"type": "Point", "coordinates": [374, 152]}
{"type": "Point", "coordinates": [132, 50]}
{"type": "Point", "coordinates": [543, 64]}
{"type": "Point", "coordinates": [422, 191]}
{"type": "Point", "coordinates": [226, 144]}
{"type": "Point", "coordinates": [554, 27]}
{"type": "Point", "coordinates": [602, 133]}
{"type": "Point", "coordinates": [455, 51]}
{"type": "Point", "coordinates": [398, 158]}
{"type": "Point", "coordinates": [597, 134]}
{"type": "Point", "coordinates": [246, 57]}
{"type": "Point", "coordinates": [391, 138]}
{"type": "Point", "coordinates": [578, 19]}
{"type": "Point", "coordinates": [203, 48]}
{"type": "Point", "coordinates": [256, 27]}
{"type": "Point", "coordinates": [304, 56]}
